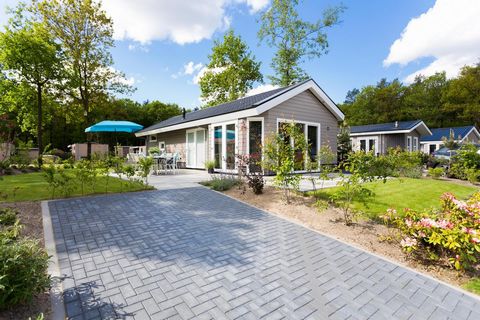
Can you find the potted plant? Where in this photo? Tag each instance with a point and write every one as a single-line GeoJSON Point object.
{"type": "Point", "coordinates": [210, 165]}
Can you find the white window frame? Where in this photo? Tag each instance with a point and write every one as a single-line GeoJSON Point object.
{"type": "Point", "coordinates": [224, 143]}
{"type": "Point", "coordinates": [367, 143]}
{"type": "Point", "coordinates": [153, 138]}
{"type": "Point", "coordinates": [305, 132]}
{"type": "Point", "coordinates": [415, 144]}
{"type": "Point", "coordinates": [160, 145]}
{"type": "Point", "coordinates": [409, 143]}
{"type": "Point", "coordinates": [195, 143]}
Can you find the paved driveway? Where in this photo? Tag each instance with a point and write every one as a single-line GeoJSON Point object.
{"type": "Point", "coordinates": [192, 253]}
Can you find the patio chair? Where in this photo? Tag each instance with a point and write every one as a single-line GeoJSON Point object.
{"type": "Point", "coordinates": [171, 163]}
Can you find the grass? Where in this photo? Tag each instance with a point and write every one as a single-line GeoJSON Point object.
{"type": "Point", "coordinates": [416, 194]}
{"type": "Point", "coordinates": [33, 186]}
{"type": "Point", "coordinates": [473, 285]}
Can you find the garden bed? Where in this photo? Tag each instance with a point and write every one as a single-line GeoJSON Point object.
{"type": "Point", "coordinates": [30, 215]}
{"type": "Point", "coordinates": [364, 233]}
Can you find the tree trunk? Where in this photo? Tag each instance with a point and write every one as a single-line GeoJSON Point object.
{"type": "Point", "coordinates": [89, 144]}
{"type": "Point", "coordinates": [39, 124]}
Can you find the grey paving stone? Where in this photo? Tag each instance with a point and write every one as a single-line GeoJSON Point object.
{"type": "Point", "coordinates": [192, 253]}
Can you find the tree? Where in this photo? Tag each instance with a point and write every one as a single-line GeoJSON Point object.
{"type": "Point", "coordinates": [32, 56]}
{"type": "Point", "coordinates": [85, 33]}
{"type": "Point", "coordinates": [462, 96]}
{"type": "Point", "coordinates": [231, 72]}
{"type": "Point", "coordinates": [294, 38]}
{"type": "Point", "coordinates": [344, 145]}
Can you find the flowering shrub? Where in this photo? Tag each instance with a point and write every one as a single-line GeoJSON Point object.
{"type": "Point", "coordinates": [452, 233]}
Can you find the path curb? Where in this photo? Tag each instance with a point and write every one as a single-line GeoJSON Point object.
{"type": "Point", "coordinates": [56, 291]}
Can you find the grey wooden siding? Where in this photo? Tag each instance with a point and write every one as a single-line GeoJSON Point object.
{"type": "Point", "coordinates": [304, 107]}
{"type": "Point", "coordinates": [472, 137]}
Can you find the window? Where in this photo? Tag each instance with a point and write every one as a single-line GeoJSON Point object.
{"type": "Point", "coordinates": [255, 129]}
{"type": "Point", "coordinates": [153, 138]}
{"type": "Point", "coordinates": [409, 143]}
{"type": "Point", "coordinates": [217, 146]}
{"type": "Point", "coordinates": [368, 144]}
{"type": "Point", "coordinates": [161, 145]}
{"type": "Point", "coordinates": [432, 148]}
{"type": "Point", "coordinates": [230, 153]}
{"type": "Point", "coordinates": [311, 131]}
{"type": "Point", "coordinates": [312, 140]}
{"type": "Point", "coordinates": [415, 143]}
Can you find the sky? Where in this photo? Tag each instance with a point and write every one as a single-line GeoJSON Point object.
{"type": "Point", "coordinates": [162, 46]}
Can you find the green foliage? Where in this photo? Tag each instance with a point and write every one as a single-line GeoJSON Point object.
{"type": "Point", "coordinates": [344, 144]}
{"type": "Point", "coordinates": [294, 39]}
{"type": "Point", "coordinates": [466, 163]}
{"type": "Point", "coordinates": [8, 216]}
{"type": "Point", "coordinates": [154, 150]}
{"type": "Point", "coordinates": [321, 205]}
{"type": "Point", "coordinates": [405, 163]}
{"type": "Point", "coordinates": [452, 233]}
{"type": "Point", "coordinates": [221, 183]}
{"type": "Point", "coordinates": [210, 164]}
{"type": "Point", "coordinates": [436, 173]}
{"type": "Point", "coordinates": [438, 101]}
{"type": "Point", "coordinates": [231, 72]}
{"type": "Point", "coordinates": [145, 165]}
{"type": "Point", "coordinates": [283, 153]}
{"type": "Point", "coordinates": [23, 271]}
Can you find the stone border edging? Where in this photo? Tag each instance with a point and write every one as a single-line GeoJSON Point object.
{"type": "Point", "coordinates": [56, 291]}
{"type": "Point", "coordinates": [459, 289]}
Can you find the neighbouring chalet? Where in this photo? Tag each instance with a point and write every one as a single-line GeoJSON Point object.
{"type": "Point", "coordinates": [383, 136]}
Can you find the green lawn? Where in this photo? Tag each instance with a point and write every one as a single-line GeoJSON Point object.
{"type": "Point", "coordinates": [473, 285]}
{"type": "Point", "coordinates": [32, 186]}
{"type": "Point", "coordinates": [417, 194]}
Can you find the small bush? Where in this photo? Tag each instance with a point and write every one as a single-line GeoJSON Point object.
{"type": "Point", "coordinates": [453, 233]}
{"type": "Point", "coordinates": [8, 216]}
{"type": "Point", "coordinates": [221, 183]}
{"type": "Point", "coordinates": [472, 175]}
{"type": "Point", "coordinates": [436, 173]}
{"type": "Point", "coordinates": [23, 271]}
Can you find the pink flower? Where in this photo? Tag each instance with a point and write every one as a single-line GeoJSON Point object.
{"type": "Point", "coordinates": [445, 224]}
{"type": "Point", "coordinates": [475, 240]}
{"type": "Point", "coordinates": [391, 211]}
{"type": "Point", "coordinates": [421, 234]}
{"type": "Point", "coordinates": [408, 242]}
{"type": "Point", "coordinates": [408, 222]}
{"type": "Point", "coordinates": [448, 196]}
{"type": "Point", "coordinates": [428, 223]}
{"type": "Point", "coordinates": [469, 231]}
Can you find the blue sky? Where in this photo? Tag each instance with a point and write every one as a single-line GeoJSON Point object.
{"type": "Point", "coordinates": [377, 38]}
{"type": "Point", "coordinates": [358, 47]}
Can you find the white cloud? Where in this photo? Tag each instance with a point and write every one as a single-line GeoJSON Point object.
{"type": "Point", "coordinates": [261, 88]}
{"type": "Point", "coordinates": [449, 32]}
{"type": "Point", "coordinates": [188, 69]}
{"type": "Point", "coordinates": [181, 21]}
{"type": "Point", "coordinates": [203, 70]}
{"type": "Point", "coordinates": [138, 47]}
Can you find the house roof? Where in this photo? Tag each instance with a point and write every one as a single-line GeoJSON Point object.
{"type": "Point", "coordinates": [264, 100]}
{"type": "Point", "coordinates": [390, 128]}
{"type": "Point", "coordinates": [459, 133]}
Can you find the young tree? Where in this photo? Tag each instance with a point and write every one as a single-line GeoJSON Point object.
{"type": "Point", "coordinates": [231, 72]}
{"type": "Point", "coordinates": [85, 33]}
{"type": "Point", "coordinates": [33, 57]}
{"type": "Point", "coordinates": [294, 38]}
{"type": "Point", "coordinates": [344, 144]}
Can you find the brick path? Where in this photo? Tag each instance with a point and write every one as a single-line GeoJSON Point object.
{"type": "Point", "coordinates": [194, 254]}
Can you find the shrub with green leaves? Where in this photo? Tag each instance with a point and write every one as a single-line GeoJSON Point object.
{"type": "Point", "coordinates": [23, 271]}
{"type": "Point", "coordinates": [465, 163]}
{"type": "Point", "coordinates": [8, 216]}
{"type": "Point", "coordinates": [145, 166]}
{"type": "Point", "coordinates": [284, 153]}
{"type": "Point", "coordinates": [436, 173]}
{"type": "Point", "coordinates": [221, 183]}
{"type": "Point", "coordinates": [452, 234]}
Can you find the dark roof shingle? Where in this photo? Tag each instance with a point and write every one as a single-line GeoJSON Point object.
{"type": "Point", "coordinates": [439, 133]}
{"type": "Point", "coordinates": [229, 107]}
{"type": "Point", "coordinates": [390, 126]}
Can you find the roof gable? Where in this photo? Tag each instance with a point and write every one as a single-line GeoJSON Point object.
{"type": "Point", "coordinates": [459, 133]}
{"type": "Point", "coordinates": [390, 128]}
{"type": "Point", "coordinates": [247, 106]}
